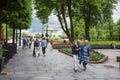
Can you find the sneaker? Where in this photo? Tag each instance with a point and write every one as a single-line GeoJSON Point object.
{"type": "Point", "coordinates": [44, 55]}
{"type": "Point", "coordinates": [80, 62]}
{"type": "Point", "coordinates": [75, 70]}
{"type": "Point", "coordinates": [38, 54]}
{"type": "Point", "coordinates": [84, 69]}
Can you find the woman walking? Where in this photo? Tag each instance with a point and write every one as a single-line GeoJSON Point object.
{"type": "Point", "coordinates": [76, 50]}
{"type": "Point", "coordinates": [36, 51]}
{"type": "Point", "coordinates": [85, 53]}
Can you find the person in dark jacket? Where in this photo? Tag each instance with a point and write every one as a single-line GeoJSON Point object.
{"type": "Point", "coordinates": [76, 51]}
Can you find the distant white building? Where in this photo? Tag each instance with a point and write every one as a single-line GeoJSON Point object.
{"type": "Point", "coordinates": [53, 33]}
{"type": "Point", "coordinates": [33, 34]}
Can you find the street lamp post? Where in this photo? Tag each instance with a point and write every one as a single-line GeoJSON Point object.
{"type": "Point", "coordinates": [47, 31]}
{"type": "Point", "coordinates": [42, 31]}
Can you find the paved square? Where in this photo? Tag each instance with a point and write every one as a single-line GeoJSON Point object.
{"type": "Point", "coordinates": [58, 66]}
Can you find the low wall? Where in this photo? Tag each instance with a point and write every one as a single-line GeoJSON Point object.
{"type": "Point", "coordinates": [96, 46]}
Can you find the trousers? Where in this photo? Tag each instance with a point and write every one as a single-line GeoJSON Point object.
{"type": "Point", "coordinates": [75, 58]}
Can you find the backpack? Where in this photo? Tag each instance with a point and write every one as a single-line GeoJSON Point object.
{"type": "Point", "coordinates": [24, 41]}
{"type": "Point", "coordinates": [36, 44]}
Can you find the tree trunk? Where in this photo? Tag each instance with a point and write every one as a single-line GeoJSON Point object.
{"type": "Point", "coordinates": [87, 34]}
{"type": "Point", "coordinates": [71, 22]}
{"type": "Point", "coordinates": [20, 37]}
{"type": "Point", "coordinates": [87, 20]}
{"type": "Point", "coordinates": [111, 37]}
{"type": "Point", "coordinates": [119, 34]}
{"type": "Point", "coordinates": [64, 28]}
{"type": "Point", "coordinates": [98, 35]}
{"type": "Point", "coordinates": [0, 30]}
{"type": "Point", "coordinates": [13, 40]}
{"type": "Point", "coordinates": [6, 31]}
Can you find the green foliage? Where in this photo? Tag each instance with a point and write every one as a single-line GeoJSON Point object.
{"type": "Point", "coordinates": [38, 35]}
{"type": "Point", "coordinates": [44, 9]}
{"type": "Point", "coordinates": [95, 56]}
{"type": "Point", "coordinates": [9, 31]}
{"type": "Point", "coordinates": [104, 42]}
{"type": "Point", "coordinates": [24, 34]}
{"type": "Point", "coordinates": [91, 19]}
{"type": "Point", "coordinates": [17, 12]}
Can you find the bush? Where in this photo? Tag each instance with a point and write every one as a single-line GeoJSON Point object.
{"type": "Point", "coordinates": [104, 42]}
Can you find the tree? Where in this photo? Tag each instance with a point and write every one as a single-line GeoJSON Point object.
{"type": "Point", "coordinates": [62, 9]}
{"type": "Point", "coordinates": [18, 12]}
{"type": "Point", "coordinates": [92, 12]}
{"type": "Point", "coordinates": [111, 28]}
{"type": "Point", "coordinates": [118, 23]}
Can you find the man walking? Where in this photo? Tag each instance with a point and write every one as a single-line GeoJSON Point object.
{"type": "Point", "coordinates": [44, 45]}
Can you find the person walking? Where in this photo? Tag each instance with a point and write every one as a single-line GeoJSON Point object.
{"type": "Point", "coordinates": [30, 42]}
{"type": "Point", "coordinates": [24, 43]}
{"type": "Point", "coordinates": [27, 42]}
{"type": "Point", "coordinates": [85, 53]}
{"type": "Point", "coordinates": [52, 43]}
{"type": "Point", "coordinates": [76, 50]}
{"type": "Point", "coordinates": [44, 46]}
{"type": "Point", "coordinates": [36, 50]}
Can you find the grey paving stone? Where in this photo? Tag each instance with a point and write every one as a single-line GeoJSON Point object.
{"type": "Point", "coordinates": [64, 78]}
{"type": "Point", "coordinates": [94, 79]}
{"type": "Point", "coordinates": [114, 76]}
{"type": "Point", "coordinates": [112, 79]}
{"type": "Point", "coordinates": [20, 78]}
{"type": "Point", "coordinates": [100, 76]}
{"type": "Point", "coordinates": [82, 76]}
{"type": "Point", "coordinates": [41, 78]}
{"type": "Point", "coordinates": [58, 66]}
{"type": "Point", "coordinates": [4, 78]}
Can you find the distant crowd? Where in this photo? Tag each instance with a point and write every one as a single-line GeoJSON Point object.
{"type": "Point", "coordinates": [27, 42]}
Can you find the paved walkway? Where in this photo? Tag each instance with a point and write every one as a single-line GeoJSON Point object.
{"type": "Point", "coordinates": [58, 66]}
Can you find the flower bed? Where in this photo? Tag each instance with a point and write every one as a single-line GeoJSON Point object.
{"type": "Point", "coordinates": [61, 45]}
{"type": "Point", "coordinates": [95, 57]}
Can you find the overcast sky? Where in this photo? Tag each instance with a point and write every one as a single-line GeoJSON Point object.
{"type": "Point", "coordinates": [36, 25]}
